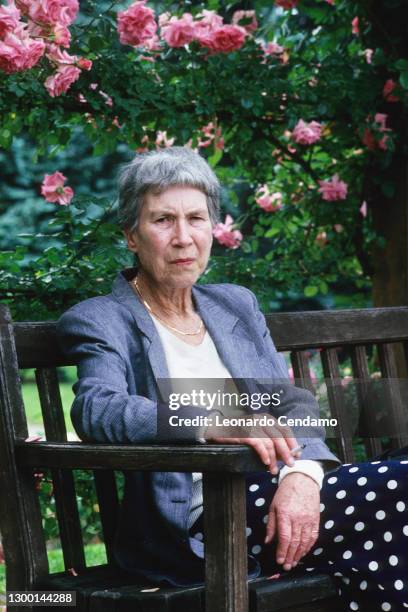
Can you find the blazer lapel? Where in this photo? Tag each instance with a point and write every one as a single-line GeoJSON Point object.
{"type": "Point", "coordinates": [235, 348]}
{"type": "Point", "coordinates": [123, 292]}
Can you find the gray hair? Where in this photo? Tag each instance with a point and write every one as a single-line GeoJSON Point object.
{"type": "Point", "coordinates": [155, 171]}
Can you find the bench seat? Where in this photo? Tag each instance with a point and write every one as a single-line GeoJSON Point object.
{"type": "Point", "coordinates": [99, 589]}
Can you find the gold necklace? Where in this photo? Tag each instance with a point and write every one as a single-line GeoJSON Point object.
{"type": "Point", "coordinates": [183, 333]}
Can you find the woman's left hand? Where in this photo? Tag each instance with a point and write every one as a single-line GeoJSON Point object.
{"type": "Point", "coordinates": [294, 516]}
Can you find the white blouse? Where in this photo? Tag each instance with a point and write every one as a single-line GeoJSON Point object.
{"type": "Point", "coordinates": [203, 361]}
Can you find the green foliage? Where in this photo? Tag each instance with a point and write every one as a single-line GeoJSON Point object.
{"type": "Point", "coordinates": [88, 507]}
{"type": "Point", "coordinates": [54, 256]}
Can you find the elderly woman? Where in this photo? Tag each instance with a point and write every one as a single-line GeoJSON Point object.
{"type": "Point", "coordinates": [158, 324]}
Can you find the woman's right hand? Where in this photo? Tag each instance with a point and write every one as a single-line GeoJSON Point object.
{"type": "Point", "coordinates": [271, 442]}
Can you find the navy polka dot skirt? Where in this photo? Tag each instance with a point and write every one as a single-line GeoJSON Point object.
{"type": "Point", "coordinates": [363, 537]}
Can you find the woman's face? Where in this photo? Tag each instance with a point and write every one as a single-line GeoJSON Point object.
{"type": "Point", "coordinates": [173, 237]}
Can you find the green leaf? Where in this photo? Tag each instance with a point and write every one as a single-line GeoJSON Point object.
{"type": "Point", "coordinates": [215, 157]}
{"type": "Point", "coordinates": [310, 291]}
{"type": "Point", "coordinates": [272, 232]}
{"type": "Point", "coordinates": [246, 247]}
{"type": "Point", "coordinates": [402, 64]}
{"type": "Point", "coordinates": [323, 287]}
{"type": "Point", "coordinates": [404, 79]}
{"type": "Point", "coordinates": [247, 103]}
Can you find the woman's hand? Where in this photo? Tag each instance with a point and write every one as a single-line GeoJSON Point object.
{"type": "Point", "coordinates": [294, 516]}
{"type": "Point", "coordinates": [270, 442]}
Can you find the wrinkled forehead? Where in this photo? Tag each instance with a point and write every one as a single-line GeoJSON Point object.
{"type": "Point", "coordinates": [174, 199]}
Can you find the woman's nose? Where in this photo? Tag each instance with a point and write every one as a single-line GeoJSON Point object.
{"type": "Point", "coordinates": [182, 233]}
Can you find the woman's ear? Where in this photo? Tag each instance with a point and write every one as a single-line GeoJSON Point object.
{"type": "Point", "coordinates": [131, 240]}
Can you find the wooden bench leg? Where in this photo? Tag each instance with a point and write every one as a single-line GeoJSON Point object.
{"type": "Point", "coordinates": [226, 564]}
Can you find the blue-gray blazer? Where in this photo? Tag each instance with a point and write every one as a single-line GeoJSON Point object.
{"type": "Point", "coordinates": [120, 357]}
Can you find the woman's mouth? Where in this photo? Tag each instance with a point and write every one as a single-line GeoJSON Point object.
{"type": "Point", "coordinates": [183, 262]}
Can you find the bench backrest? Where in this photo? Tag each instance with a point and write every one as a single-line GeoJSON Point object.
{"type": "Point", "coordinates": [34, 345]}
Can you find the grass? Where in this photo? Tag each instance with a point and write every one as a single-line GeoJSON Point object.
{"type": "Point", "coordinates": [32, 401]}
{"type": "Point", "coordinates": [94, 554]}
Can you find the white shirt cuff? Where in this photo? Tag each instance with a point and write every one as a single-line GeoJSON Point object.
{"type": "Point", "coordinates": [201, 432]}
{"type": "Point", "coordinates": [309, 467]}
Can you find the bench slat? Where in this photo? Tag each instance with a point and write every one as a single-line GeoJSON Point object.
{"type": "Point", "coordinates": [396, 411]}
{"type": "Point", "coordinates": [361, 374]}
{"type": "Point", "coordinates": [37, 344]}
{"type": "Point", "coordinates": [301, 370]}
{"type": "Point", "coordinates": [63, 480]}
{"type": "Point", "coordinates": [79, 455]}
{"type": "Point", "coordinates": [20, 519]}
{"type": "Point", "coordinates": [327, 328]}
{"type": "Point", "coordinates": [226, 565]}
{"type": "Point", "coordinates": [335, 394]}
{"type": "Point", "coordinates": [107, 494]}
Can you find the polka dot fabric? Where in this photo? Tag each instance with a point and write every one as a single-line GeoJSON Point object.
{"type": "Point", "coordinates": [363, 537]}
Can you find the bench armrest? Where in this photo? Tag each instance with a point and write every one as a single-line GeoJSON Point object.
{"type": "Point", "coordinates": [236, 459]}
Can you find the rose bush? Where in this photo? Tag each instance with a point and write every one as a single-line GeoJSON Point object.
{"type": "Point", "coordinates": [299, 127]}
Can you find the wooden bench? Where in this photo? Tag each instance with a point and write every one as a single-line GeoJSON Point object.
{"type": "Point", "coordinates": [106, 587]}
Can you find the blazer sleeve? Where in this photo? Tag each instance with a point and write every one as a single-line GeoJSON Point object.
{"type": "Point", "coordinates": [295, 402]}
{"type": "Point", "coordinates": [103, 409]}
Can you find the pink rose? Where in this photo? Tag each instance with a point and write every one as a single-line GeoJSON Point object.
{"type": "Point", "coordinates": [321, 238]}
{"type": "Point", "coordinates": [307, 133]}
{"type": "Point", "coordinates": [210, 18]}
{"type": "Point", "coordinates": [9, 18]}
{"type": "Point", "coordinates": [249, 24]}
{"type": "Point", "coordinates": [84, 64]}
{"type": "Point", "coordinates": [162, 140]}
{"type": "Point", "coordinates": [272, 48]}
{"type": "Point", "coordinates": [368, 139]}
{"type": "Point", "coordinates": [355, 26]}
{"type": "Point", "coordinates": [52, 12]}
{"type": "Point", "coordinates": [60, 57]}
{"type": "Point", "coordinates": [226, 38]}
{"type": "Point", "coordinates": [152, 44]}
{"type": "Point", "coordinates": [18, 51]}
{"type": "Point", "coordinates": [389, 87]}
{"type": "Point", "coordinates": [363, 209]}
{"type": "Point", "coordinates": [368, 54]}
{"type": "Point", "coordinates": [136, 24]}
{"type": "Point", "coordinates": [376, 138]}
{"type": "Point", "coordinates": [381, 119]}
{"type": "Point", "coordinates": [62, 36]}
{"type": "Point", "coordinates": [212, 134]}
{"type": "Point", "coordinates": [106, 97]}
{"type": "Point", "coordinates": [59, 82]}
{"type": "Point", "coordinates": [53, 189]}
{"type": "Point", "coordinates": [164, 18]}
{"type": "Point", "coordinates": [287, 4]}
{"type": "Point", "coordinates": [270, 202]}
{"type": "Point", "coordinates": [208, 22]}
{"type": "Point", "coordinates": [383, 143]}
{"type": "Point", "coordinates": [23, 6]}
{"type": "Point", "coordinates": [227, 236]}
{"type": "Point", "coordinates": [178, 32]}
{"type": "Point", "coordinates": [333, 189]}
